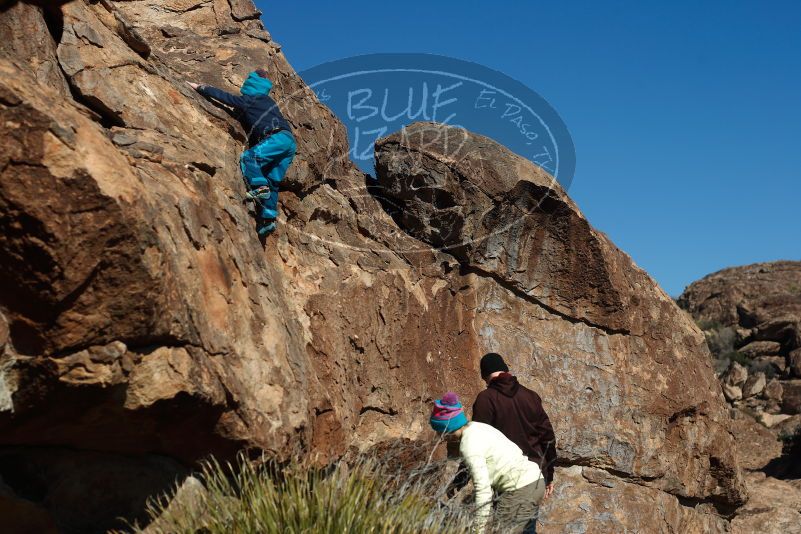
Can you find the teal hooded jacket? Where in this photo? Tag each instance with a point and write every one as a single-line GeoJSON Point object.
{"type": "Point", "coordinates": [257, 111]}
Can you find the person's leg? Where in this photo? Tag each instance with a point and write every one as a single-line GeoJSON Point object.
{"type": "Point", "coordinates": [259, 161]}
{"type": "Point", "coordinates": [264, 166]}
{"type": "Point", "coordinates": [252, 169]}
{"type": "Point", "coordinates": [517, 510]}
{"type": "Point", "coordinates": [282, 153]}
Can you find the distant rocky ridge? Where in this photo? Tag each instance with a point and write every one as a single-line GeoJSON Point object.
{"type": "Point", "coordinates": [751, 317]}
{"type": "Point", "coordinates": [143, 326]}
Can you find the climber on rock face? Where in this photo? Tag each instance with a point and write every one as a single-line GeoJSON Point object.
{"type": "Point", "coordinates": [517, 412]}
{"type": "Point", "coordinates": [271, 144]}
{"type": "Point", "coordinates": [496, 464]}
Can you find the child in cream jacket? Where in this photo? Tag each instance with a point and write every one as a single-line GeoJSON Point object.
{"type": "Point", "coordinates": [495, 464]}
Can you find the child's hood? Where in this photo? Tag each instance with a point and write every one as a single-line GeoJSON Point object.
{"type": "Point", "coordinates": [255, 85]}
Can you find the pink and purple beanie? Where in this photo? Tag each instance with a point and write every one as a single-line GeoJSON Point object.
{"type": "Point", "coordinates": [448, 414]}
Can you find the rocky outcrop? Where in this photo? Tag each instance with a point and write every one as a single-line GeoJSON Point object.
{"type": "Point", "coordinates": [754, 310]}
{"type": "Point", "coordinates": [751, 316]}
{"type": "Point", "coordinates": [756, 297]}
{"type": "Point", "coordinates": [142, 322]}
{"type": "Point", "coordinates": [752, 321]}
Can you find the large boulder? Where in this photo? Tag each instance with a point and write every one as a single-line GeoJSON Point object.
{"type": "Point", "coordinates": [773, 390]}
{"type": "Point", "coordinates": [754, 385]}
{"type": "Point", "coordinates": [557, 280]}
{"type": "Point", "coordinates": [756, 309]}
{"type": "Point", "coordinates": [735, 375]}
{"type": "Point", "coordinates": [592, 500]}
{"type": "Point", "coordinates": [759, 303]}
{"type": "Point", "coordinates": [141, 318]}
{"type": "Point", "coordinates": [756, 349]}
{"type": "Point", "coordinates": [139, 313]}
{"type": "Point", "coordinates": [503, 217]}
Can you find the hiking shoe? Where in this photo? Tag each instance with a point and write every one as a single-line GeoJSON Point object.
{"type": "Point", "coordinates": [260, 193]}
{"type": "Point", "coordinates": [265, 228]}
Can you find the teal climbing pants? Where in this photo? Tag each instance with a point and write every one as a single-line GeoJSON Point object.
{"type": "Point", "coordinates": [265, 165]}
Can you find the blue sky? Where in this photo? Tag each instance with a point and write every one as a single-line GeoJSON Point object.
{"type": "Point", "coordinates": [686, 116]}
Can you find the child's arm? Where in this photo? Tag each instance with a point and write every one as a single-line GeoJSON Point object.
{"type": "Point", "coordinates": [479, 472]}
{"type": "Point", "coordinates": [219, 95]}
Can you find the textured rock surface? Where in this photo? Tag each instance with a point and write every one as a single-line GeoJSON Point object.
{"type": "Point", "coordinates": [774, 390]}
{"type": "Point", "coordinates": [756, 445]}
{"type": "Point", "coordinates": [498, 214]}
{"type": "Point", "coordinates": [141, 318]}
{"type": "Point", "coordinates": [591, 500]}
{"type": "Point", "coordinates": [774, 507]}
{"type": "Point", "coordinates": [794, 361]}
{"type": "Point", "coordinates": [754, 309]}
{"type": "Point", "coordinates": [732, 393]}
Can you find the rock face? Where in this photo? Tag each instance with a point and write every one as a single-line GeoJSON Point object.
{"type": "Point", "coordinates": [592, 500]}
{"type": "Point", "coordinates": [755, 349]}
{"type": "Point", "coordinates": [526, 314]}
{"type": "Point", "coordinates": [755, 310]}
{"type": "Point", "coordinates": [142, 322]}
{"type": "Point", "coordinates": [509, 220]}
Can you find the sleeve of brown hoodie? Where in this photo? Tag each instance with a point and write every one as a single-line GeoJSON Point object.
{"type": "Point", "coordinates": [546, 437]}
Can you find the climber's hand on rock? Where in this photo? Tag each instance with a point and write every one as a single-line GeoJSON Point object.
{"type": "Point", "coordinates": [193, 85]}
{"type": "Point", "coordinates": [548, 490]}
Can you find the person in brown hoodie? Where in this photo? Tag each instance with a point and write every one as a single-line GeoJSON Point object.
{"type": "Point", "coordinates": [517, 412]}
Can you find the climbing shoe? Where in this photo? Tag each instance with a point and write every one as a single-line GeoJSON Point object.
{"type": "Point", "coordinates": [260, 193]}
{"type": "Point", "coordinates": [265, 228]}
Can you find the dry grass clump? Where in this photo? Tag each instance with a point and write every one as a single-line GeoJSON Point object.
{"type": "Point", "coordinates": [359, 497]}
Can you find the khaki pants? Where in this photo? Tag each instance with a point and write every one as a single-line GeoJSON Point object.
{"type": "Point", "coordinates": [516, 511]}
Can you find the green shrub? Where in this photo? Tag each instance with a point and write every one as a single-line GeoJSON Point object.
{"type": "Point", "coordinates": [738, 357]}
{"type": "Point", "coordinates": [708, 325]}
{"type": "Point", "coordinates": [245, 499]}
{"type": "Point", "coordinates": [720, 341]}
{"type": "Point", "coordinates": [764, 367]}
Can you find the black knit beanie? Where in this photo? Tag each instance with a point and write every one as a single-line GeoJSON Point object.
{"type": "Point", "coordinates": [492, 362]}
